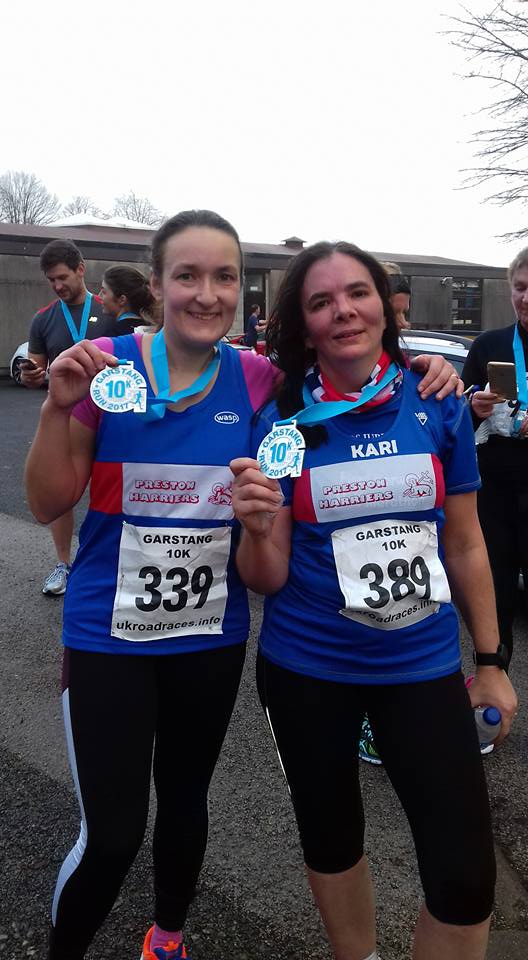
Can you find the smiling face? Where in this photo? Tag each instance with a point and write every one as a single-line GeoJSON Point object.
{"type": "Point", "coordinates": [344, 319]}
{"type": "Point", "coordinates": [199, 286]}
{"type": "Point", "coordinates": [519, 286]}
{"type": "Point", "coordinates": [67, 284]}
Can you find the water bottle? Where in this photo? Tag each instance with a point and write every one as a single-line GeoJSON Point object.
{"type": "Point", "coordinates": [488, 721]}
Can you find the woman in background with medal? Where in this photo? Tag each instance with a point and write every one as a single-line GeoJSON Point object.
{"type": "Point", "coordinates": [501, 432]}
{"type": "Point", "coordinates": [127, 297]}
{"type": "Point", "coordinates": [375, 529]}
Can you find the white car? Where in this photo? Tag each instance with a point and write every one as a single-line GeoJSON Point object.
{"type": "Point", "coordinates": [14, 367]}
{"type": "Point", "coordinates": [450, 345]}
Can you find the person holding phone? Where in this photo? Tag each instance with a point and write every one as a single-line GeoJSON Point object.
{"type": "Point", "coordinates": [74, 315]}
{"type": "Point", "coordinates": [501, 430]}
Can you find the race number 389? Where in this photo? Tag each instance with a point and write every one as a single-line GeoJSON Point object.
{"type": "Point", "coordinates": [172, 581]}
{"type": "Point", "coordinates": [390, 572]}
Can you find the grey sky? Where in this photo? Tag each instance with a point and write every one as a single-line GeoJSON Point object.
{"type": "Point", "coordinates": [321, 119]}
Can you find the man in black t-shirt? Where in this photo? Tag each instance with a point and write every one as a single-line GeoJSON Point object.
{"type": "Point", "coordinates": [75, 315]}
{"type": "Point", "coordinates": [254, 326]}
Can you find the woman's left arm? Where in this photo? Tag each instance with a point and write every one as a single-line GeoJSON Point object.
{"type": "Point", "coordinates": [440, 376]}
{"type": "Point", "coordinates": [471, 584]}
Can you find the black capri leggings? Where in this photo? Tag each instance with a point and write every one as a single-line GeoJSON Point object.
{"type": "Point", "coordinates": [120, 712]}
{"type": "Point", "coordinates": [426, 736]}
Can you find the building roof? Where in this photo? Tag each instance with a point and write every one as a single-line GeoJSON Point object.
{"type": "Point", "coordinates": [102, 240]}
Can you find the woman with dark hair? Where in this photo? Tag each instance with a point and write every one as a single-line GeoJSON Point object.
{"type": "Point", "coordinates": [358, 553]}
{"type": "Point", "coordinates": [127, 297]}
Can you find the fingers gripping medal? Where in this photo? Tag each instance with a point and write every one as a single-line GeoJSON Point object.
{"type": "Point", "coordinates": [120, 389]}
{"type": "Point", "coordinates": [281, 452]}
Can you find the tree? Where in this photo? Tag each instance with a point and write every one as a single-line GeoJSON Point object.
{"type": "Point", "coordinates": [25, 199]}
{"type": "Point", "coordinates": [137, 208]}
{"type": "Point", "coordinates": [497, 42]}
{"type": "Point", "coordinates": [82, 204]}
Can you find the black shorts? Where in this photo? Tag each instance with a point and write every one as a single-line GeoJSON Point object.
{"type": "Point", "coordinates": [440, 781]}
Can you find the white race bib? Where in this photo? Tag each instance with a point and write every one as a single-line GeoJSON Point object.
{"type": "Point", "coordinates": [389, 572]}
{"type": "Point", "coordinates": [171, 581]}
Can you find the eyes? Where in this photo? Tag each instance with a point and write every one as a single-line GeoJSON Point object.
{"type": "Point", "coordinates": [224, 276]}
{"type": "Point", "coordinates": [355, 293]}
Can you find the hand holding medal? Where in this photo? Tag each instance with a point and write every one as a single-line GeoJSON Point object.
{"type": "Point", "coordinates": [72, 372]}
{"type": "Point", "coordinates": [256, 498]}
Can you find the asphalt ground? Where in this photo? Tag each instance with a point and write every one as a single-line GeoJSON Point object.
{"type": "Point", "coordinates": [253, 902]}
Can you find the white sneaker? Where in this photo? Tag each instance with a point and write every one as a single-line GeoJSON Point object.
{"type": "Point", "coordinates": [55, 583]}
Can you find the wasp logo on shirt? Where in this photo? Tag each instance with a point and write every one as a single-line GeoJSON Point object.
{"type": "Point", "coordinates": [422, 417]}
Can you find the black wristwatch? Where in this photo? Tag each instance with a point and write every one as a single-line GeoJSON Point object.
{"type": "Point", "coordinates": [499, 659]}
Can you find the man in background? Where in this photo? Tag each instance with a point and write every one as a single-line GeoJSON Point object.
{"type": "Point", "coordinates": [254, 326]}
{"type": "Point", "coordinates": [74, 315]}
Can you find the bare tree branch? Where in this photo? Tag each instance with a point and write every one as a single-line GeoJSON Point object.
{"type": "Point", "coordinates": [137, 208]}
{"type": "Point", "coordinates": [25, 199]}
{"type": "Point", "coordinates": [498, 41]}
{"type": "Point", "coordinates": [82, 204]}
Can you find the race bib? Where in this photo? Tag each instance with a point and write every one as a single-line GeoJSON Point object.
{"type": "Point", "coordinates": [171, 581]}
{"type": "Point", "coordinates": [390, 573]}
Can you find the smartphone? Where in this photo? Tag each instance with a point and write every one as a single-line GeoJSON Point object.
{"type": "Point", "coordinates": [502, 380]}
{"type": "Point", "coordinates": [29, 364]}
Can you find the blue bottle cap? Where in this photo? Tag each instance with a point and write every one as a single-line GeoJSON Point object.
{"type": "Point", "coordinates": [492, 716]}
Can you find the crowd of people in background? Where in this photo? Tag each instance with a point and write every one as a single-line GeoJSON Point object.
{"type": "Point", "coordinates": [362, 549]}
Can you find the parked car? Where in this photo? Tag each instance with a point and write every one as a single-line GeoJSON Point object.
{"type": "Point", "coordinates": [237, 341]}
{"type": "Point", "coordinates": [450, 345]}
{"type": "Point", "coordinates": [20, 354]}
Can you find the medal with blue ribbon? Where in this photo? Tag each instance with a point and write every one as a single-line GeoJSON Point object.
{"type": "Point", "coordinates": [120, 389]}
{"type": "Point", "coordinates": [79, 334]}
{"type": "Point", "coordinates": [281, 452]}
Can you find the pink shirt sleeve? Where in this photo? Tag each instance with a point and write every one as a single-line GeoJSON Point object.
{"type": "Point", "coordinates": [86, 411]}
{"type": "Point", "coordinates": [261, 377]}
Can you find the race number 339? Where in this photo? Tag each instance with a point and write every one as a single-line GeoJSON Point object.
{"type": "Point", "coordinates": [390, 573]}
{"type": "Point", "coordinates": [171, 582]}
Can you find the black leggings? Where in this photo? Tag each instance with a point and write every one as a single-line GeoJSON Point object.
{"type": "Point", "coordinates": [503, 514]}
{"type": "Point", "coordinates": [426, 736]}
{"type": "Point", "coordinates": [119, 711]}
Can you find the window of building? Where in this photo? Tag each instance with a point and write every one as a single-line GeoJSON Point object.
{"type": "Point", "coordinates": [466, 304]}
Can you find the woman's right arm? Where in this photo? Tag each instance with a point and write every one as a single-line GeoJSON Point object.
{"type": "Point", "coordinates": [263, 554]}
{"type": "Point", "coordinates": [60, 459]}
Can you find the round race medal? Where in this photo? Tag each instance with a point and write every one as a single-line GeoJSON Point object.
{"type": "Point", "coordinates": [120, 389]}
{"type": "Point", "coordinates": [281, 452]}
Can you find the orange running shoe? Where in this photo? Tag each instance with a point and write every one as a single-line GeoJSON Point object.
{"type": "Point", "coordinates": [171, 950]}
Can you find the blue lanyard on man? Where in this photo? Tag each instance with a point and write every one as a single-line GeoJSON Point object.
{"type": "Point", "coordinates": [521, 406]}
{"type": "Point", "coordinates": [157, 405]}
{"type": "Point", "coordinates": [79, 334]}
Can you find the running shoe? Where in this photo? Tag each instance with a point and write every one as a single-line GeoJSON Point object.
{"type": "Point", "coordinates": [171, 950]}
{"type": "Point", "coordinates": [55, 584]}
{"type": "Point", "coordinates": [367, 747]}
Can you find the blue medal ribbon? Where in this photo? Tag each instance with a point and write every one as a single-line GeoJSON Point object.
{"type": "Point", "coordinates": [128, 316]}
{"type": "Point", "coordinates": [317, 412]}
{"type": "Point", "coordinates": [156, 405]}
{"type": "Point", "coordinates": [520, 370]}
{"type": "Point", "coordinates": [80, 334]}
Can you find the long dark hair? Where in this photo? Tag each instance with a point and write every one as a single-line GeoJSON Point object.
{"type": "Point", "coordinates": [286, 332]}
{"type": "Point", "coordinates": [130, 283]}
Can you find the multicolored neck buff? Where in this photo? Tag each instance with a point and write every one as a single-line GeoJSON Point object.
{"type": "Point", "coordinates": [323, 391]}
